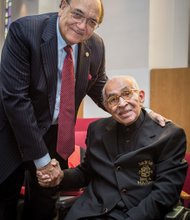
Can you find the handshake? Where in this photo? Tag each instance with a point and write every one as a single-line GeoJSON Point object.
{"type": "Point", "coordinates": [50, 175]}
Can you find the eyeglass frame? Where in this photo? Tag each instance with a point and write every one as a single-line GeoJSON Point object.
{"type": "Point", "coordinates": [76, 12]}
{"type": "Point", "coordinates": [131, 92]}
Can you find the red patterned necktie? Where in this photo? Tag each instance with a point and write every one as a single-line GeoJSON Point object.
{"type": "Point", "coordinates": [66, 120]}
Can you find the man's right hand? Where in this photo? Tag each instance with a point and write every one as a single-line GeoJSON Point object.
{"type": "Point", "coordinates": [50, 175]}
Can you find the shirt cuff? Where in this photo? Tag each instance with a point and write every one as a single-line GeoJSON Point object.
{"type": "Point", "coordinates": [43, 161]}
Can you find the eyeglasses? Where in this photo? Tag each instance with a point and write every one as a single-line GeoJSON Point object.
{"type": "Point", "coordinates": [114, 100]}
{"type": "Point", "coordinates": [79, 17]}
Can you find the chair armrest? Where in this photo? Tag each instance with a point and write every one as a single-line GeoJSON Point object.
{"type": "Point", "coordinates": [176, 213]}
{"type": "Point", "coordinates": [65, 202]}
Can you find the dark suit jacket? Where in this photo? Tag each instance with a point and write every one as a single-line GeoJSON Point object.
{"type": "Point", "coordinates": [148, 179]}
{"type": "Point", "coordinates": [28, 79]}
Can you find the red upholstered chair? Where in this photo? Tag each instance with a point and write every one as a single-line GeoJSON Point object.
{"type": "Point", "coordinates": [82, 123]}
{"type": "Point", "coordinates": [80, 137]}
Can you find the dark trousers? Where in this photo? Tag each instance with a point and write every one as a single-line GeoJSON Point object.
{"type": "Point", "coordinates": [9, 194]}
{"type": "Point", "coordinates": [114, 214]}
{"type": "Point", "coordinates": [117, 213]}
{"type": "Point", "coordinates": [39, 201]}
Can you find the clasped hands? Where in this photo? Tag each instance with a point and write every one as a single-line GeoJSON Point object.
{"type": "Point", "coordinates": [50, 175]}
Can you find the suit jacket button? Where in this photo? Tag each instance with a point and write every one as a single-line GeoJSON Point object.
{"type": "Point", "coordinates": [105, 210]}
{"type": "Point", "coordinates": [118, 168]}
{"type": "Point", "coordinates": [124, 191]}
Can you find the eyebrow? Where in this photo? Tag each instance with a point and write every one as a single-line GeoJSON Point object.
{"type": "Point", "coordinates": [80, 11]}
{"type": "Point", "coordinates": [122, 90]}
{"type": "Point", "coordinates": [111, 94]}
{"type": "Point", "coordinates": [126, 88]}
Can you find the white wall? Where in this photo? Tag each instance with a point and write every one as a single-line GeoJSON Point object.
{"type": "Point", "coordinates": [169, 33]}
{"type": "Point", "coordinates": [48, 5]}
{"type": "Point", "coordinates": [22, 8]}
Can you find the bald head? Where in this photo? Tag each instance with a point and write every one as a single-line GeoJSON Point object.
{"type": "Point", "coordinates": [123, 99]}
{"type": "Point", "coordinates": [120, 80]}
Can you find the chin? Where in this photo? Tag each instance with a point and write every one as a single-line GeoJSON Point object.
{"type": "Point", "coordinates": [75, 41]}
{"type": "Point", "coordinates": [127, 121]}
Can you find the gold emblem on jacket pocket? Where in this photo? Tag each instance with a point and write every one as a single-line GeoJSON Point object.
{"type": "Point", "coordinates": [145, 172]}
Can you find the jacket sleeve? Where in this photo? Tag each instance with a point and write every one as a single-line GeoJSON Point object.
{"type": "Point", "coordinates": [97, 71]}
{"type": "Point", "coordinates": [15, 77]}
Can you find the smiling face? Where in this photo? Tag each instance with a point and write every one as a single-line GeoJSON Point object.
{"type": "Point", "coordinates": [123, 99]}
{"type": "Point", "coordinates": [72, 31]}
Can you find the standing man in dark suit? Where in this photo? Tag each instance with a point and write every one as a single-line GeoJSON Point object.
{"type": "Point", "coordinates": [31, 63]}
{"type": "Point", "coordinates": [30, 81]}
{"type": "Point", "coordinates": [133, 169]}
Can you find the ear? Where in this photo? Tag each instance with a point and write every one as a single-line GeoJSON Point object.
{"type": "Point", "coordinates": [62, 7]}
{"type": "Point", "coordinates": [107, 108]}
{"type": "Point", "coordinates": [141, 96]}
{"type": "Point", "coordinates": [63, 4]}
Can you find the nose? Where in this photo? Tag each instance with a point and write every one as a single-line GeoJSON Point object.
{"type": "Point", "coordinates": [122, 101]}
{"type": "Point", "coordinates": [83, 23]}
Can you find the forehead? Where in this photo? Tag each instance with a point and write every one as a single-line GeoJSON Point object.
{"type": "Point", "coordinates": [88, 6]}
{"type": "Point", "coordinates": [117, 85]}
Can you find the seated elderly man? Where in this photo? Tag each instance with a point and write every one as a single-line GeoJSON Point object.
{"type": "Point", "coordinates": [133, 168]}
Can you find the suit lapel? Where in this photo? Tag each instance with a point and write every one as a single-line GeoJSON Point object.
{"type": "Point", "coordinates": [148, 133]}
{"type": "Point", "coordinates": [110, 139]}
{"type": "Point", "coordinates": [83, 66]}
{"type": "Point", "coordinates": [49, 57]}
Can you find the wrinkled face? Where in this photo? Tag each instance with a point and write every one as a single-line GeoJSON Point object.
{"type": "Point", "coordinates": [123, 101]}
{"type": "Point", "coordinates": [77, 19]}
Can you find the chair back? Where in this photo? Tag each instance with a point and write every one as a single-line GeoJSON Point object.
{"type": "Point", "coordinates": [80, 138]}
{"type": "Point", "coordinates": [81, 130]}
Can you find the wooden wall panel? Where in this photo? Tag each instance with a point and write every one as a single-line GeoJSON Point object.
{"type": "Point", "coordinates": [170, 96]}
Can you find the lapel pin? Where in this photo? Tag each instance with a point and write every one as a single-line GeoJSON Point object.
{"type": "Point", "coordinates": [87, 54]}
